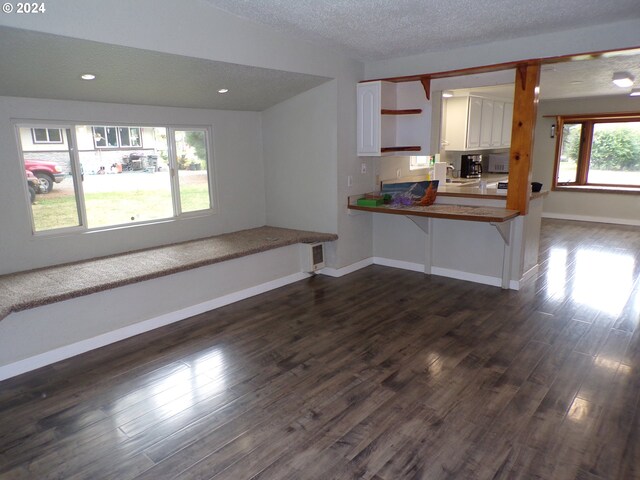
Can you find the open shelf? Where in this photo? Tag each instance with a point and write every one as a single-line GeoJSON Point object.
{"type": "Point", "coordinates": [401, 149]}
{"type": "Point", "coordinates": [411, 111]}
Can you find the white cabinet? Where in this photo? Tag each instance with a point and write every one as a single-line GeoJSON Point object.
{"type": "Point", "coordinates": [507, 121]}
{"type": "Point", "coordinates": [393, 119]}
{"type": "Point", "coordinates": [369, 119]}
{"type": "Point", "coordinates": [496, 124]}
{"type": "Point", "coordinates": [475, 123]}
{"type": "Point", "coordinates": [486, 123]}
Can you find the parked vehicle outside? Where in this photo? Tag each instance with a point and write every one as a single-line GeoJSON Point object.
{"type": "Point", "coordinates": [47, 173]}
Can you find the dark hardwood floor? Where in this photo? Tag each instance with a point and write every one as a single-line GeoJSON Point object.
{"type": "Point", "coordinates": [381, 374]}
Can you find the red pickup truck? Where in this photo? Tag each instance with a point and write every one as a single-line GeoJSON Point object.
{"type": "Point", "coordinates": [46, 172]}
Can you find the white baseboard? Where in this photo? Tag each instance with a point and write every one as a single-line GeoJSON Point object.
{"type": "Point", "coordinates": [62, 353]}
{"type": "Point", "coordinates": [339, 272]}
{"type": "Point", "coordinates": [418, 267]}
{"type": "Point", "coordinates": [388, 262]}
{"type": "Point", "coordinates": [589, 218]}
{"type": "Point", "coordinates": [470, 277]}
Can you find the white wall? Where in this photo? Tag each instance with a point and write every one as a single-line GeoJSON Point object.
{"type": "Point", "coordinates": [238, 169]}
{"type": "Point", "coordinates": [604, 207]}
{"type": "Point", "coordinates": [300, 147]}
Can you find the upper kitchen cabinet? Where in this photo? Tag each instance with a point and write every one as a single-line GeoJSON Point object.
{"type": "Point", "coordinates": [476, 123]}
{"type": "Point", "coordinates": [393, 118]}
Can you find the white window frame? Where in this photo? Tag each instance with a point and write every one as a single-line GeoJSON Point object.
{"type": "Point", "coordinates": [118, 130]}
{"type": "Point", "coordinates": [419, 162]}
{"type": "Point", "coordinates": [121, 143]}
{"type": "Point", "coordinates": [79, 191]}
{"type": "Point", "coordinates": [48, 140]}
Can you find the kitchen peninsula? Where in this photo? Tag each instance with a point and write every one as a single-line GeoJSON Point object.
{"type": "Point", "coordinates": [468, 233]}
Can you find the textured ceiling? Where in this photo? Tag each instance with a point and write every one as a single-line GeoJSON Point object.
{"type": "Point", "coordinates": [587, 78]}
{"type": "Point", "coordinates": [49, 66]}
{"type": "Point", "coordinates": [379, 29]}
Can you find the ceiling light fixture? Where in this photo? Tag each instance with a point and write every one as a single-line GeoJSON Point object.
{"type": "Point", "coordinates": [623, 79]}
{"type": "Point", "coordinates": [223, 90]}
{"type": "Point", "coordinates": [88, 76]}
{"type": "Point", "coordinates": [635, 92]}
{"type": "Point", "coordinates": [447, 94]}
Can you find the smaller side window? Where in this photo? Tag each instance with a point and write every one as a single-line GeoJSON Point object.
{"type": "Point", "coordinates": [46, 135]}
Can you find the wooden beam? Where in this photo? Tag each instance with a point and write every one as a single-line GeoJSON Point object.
{"type": "Point", "coordinates": [426, 84]}
{"type": "Point", "coordinates": [525, 107]}
{"type": "Point", "coordinates": [509, 65]}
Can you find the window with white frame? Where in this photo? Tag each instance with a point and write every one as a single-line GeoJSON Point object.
{"type": "Point", "coordinates": [46, 135]}
{"type": "Point", "coordinates": [116, 137]}
{"type": "Point", "coordinates": [106, 188]}
{"type": "Point", "coordinates": [419, 162]}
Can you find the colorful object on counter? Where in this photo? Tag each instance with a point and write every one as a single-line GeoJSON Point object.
{"type": "Point", "coordinates": [429, 195]}
{"type": "Point", "coordinates": [369, 202]}
{"type": "Point", "coordinates": [408, 193]}
{"type": "Point", "coordinates": [402, 199]}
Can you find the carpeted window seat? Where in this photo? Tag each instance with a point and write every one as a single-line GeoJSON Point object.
{"type": "Point", "coordinates": [55, 313]}
{"type": "Point", "coordinates": [35, 288]}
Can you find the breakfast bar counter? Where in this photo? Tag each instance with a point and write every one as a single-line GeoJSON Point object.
{"type": "Point", "coordinates": [451, 212]}
{"type": "Point", "coordinates": [468, 233]}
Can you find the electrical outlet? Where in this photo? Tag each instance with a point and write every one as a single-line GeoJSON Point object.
{"type": "Point", "coordinates": [349, 181]}
{"type": "Point", "coordinates": [363, 168]}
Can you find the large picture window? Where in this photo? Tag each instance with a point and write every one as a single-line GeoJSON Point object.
{"type": "Point", "coordinates": [598, 152]}
{"type": "Point", "coordinates": [88, 187]}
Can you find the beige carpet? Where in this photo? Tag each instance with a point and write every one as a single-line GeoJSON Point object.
{"type": "Point", "coordinates": [20, 291]}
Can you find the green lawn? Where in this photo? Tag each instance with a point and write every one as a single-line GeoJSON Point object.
{"type": "Point", "coordinates": [115, 208]}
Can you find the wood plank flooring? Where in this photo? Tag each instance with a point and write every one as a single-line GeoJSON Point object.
{"type": "Point", "coordinates": [383, 374]}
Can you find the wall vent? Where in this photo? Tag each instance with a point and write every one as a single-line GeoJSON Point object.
{"type": "Point", "coordinates": [311, 256]}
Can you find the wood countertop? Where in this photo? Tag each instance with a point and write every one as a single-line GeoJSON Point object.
{"type": "Point", "coordinates": [451, 212]}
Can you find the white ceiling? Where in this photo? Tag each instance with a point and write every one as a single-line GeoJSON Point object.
{"type": "Point", "coordinates": [41, 65]}
{"type": "Point", "coordinates": [380, 29]}
{"type": "Point", "coordinates": [587, 78]}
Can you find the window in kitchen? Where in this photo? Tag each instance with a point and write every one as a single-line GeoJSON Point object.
{"type": "Point", "coordinates": [419, 162]}
{"type": "Point", "coordinates": [46, 135]}
{"type": "Point", "coordinates": [599, 152]}
{"type": "Point", "coordinates": [90, 187]}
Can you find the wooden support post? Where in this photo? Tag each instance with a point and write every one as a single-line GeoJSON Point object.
{"type": "Point", "coordinates": [525, 107]}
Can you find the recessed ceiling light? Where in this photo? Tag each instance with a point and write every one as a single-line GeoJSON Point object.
{"type": "Point", "coordinates": [88, 76]}
{"type": "Point", "coordinates": [223, 90]}
{"type": "Point", "coordinates": [623, 79]}
{"type": "Point", "coordinates": [447, 94]}
{"type": "Point", "coordinates": [635, 92]}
